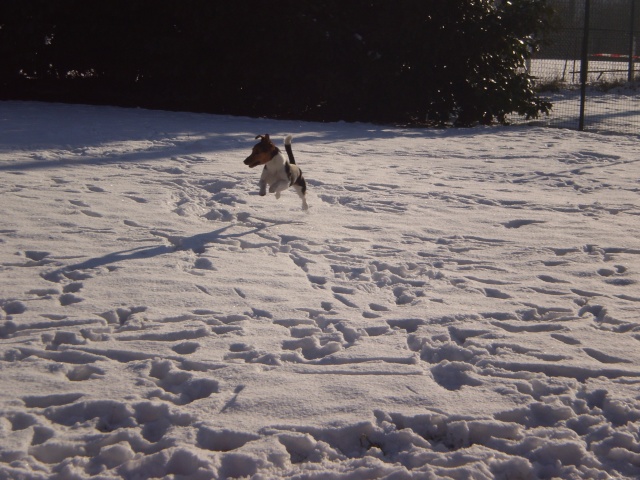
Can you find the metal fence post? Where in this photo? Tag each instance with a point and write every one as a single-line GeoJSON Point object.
{"type": "Point", "coordinates": [584, 63]}
{"type": "Point", "coordinates": [632, 42]}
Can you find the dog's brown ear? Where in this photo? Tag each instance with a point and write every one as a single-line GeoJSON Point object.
{"type": "Point", "coordinates": [265, 138]}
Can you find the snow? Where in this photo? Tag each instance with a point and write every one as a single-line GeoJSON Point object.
{"type": "Point", "coordinates": [454, 304]}
{"type": "Point", "coordinates": [612, 105]}
{"type": "Point", "coordinates": [568, 70]}
{"type": "Point", "coordinates": [616, 112]}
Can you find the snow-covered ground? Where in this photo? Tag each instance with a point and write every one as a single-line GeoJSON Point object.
{"type": "Point", "coordinates": [615, 112]}
{"type": "Point", "coordinates": [455, 303]}
{"type": "Point", "coordinates": [608, 108]}
{"type": "Point", "coordinates": [568, 71]}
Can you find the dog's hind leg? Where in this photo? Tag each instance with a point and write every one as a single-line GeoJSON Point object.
{"type": "Point", "coordinates": [300, 185]}
{"type": "Point", "coordinates": [301, 193]}
{"type": "Point", "coordinates": [305, 205]}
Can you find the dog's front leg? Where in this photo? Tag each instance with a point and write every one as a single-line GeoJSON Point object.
{"type": "Point", "coordinates": [263, 182]}
{"type": "Point", "coordinates": [279, 186]}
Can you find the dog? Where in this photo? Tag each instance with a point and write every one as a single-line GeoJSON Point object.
{"type": "Point", "coordinates": [278, 173]}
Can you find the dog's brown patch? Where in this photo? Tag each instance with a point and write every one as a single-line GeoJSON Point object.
{"type": "Point", "coordinates": [262, 152]}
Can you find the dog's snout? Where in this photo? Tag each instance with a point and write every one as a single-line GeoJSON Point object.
{"type": "Point", "coordinates": [252, 161]}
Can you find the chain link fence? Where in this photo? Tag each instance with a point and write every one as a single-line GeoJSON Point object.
{"type": "Point", "coordinates": [589, 68]}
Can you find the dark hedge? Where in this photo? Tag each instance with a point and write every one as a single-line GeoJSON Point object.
{"type": "Point", "coordinates": [405, 61]}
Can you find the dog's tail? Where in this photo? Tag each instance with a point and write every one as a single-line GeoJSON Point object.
{"type": "Point", "coordinates": [287, 147]}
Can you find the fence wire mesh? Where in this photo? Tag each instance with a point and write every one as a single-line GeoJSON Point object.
{"type": "Point", "coordinates": [600, 36]}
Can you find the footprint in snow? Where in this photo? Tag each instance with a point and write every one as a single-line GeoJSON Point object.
{"type": "Point", "coordinates": [604, 357]}
{"type": "Point", "coordinates": [91, 213]}
{"type": "Point", "coordinates": [186, 348]}
{"type": "Point", "coordinates": [13, 307]}
{"type": "Point", "coordinates": [566, 339]}
{"type": "Point", "coordinates": [84, 372]}
{"type": "Point", "coordinates": [137, 199]}
{"type": "Point", "coordinates": [223, 440]}
{"type": "Point", "coordinates": [178, 386]}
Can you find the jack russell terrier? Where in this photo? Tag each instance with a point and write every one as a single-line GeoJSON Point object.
{"type": "Point", "coordinates": [278, 173]}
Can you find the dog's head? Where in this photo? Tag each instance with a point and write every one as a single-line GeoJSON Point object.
{"type": "Point", "coordinates": [262, 152]}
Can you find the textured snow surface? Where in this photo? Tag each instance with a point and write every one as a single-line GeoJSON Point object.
{"type": "Point", "coordinates": [455, 303]}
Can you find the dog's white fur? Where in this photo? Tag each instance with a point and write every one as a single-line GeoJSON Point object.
{"type": "Point", "coordinates": [274, 175]}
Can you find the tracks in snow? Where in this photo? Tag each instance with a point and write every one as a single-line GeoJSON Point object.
{"type": "Point", "coordinates": [150, 349]}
